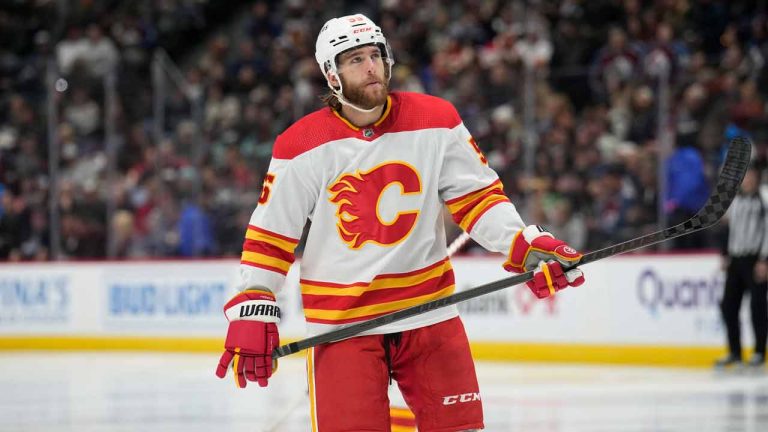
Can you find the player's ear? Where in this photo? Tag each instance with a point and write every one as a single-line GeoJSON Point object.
{"type": "Point", "coordinates": [332, 78]}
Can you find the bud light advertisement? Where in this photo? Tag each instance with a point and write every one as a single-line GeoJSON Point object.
{"type": "Point", "coordinates": [182, 301]}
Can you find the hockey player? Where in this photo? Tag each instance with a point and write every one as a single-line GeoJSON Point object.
{"type": "Point", "coordinates": [372, 171]}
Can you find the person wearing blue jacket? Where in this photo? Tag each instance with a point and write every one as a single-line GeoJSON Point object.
{"type": "Point", "coordinates": [687, 191]}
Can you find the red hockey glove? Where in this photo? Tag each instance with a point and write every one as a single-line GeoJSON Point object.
{"type": "Point", "coordinates": [533, 248]}
{"type": "Point", "coordinates": [253, 316]}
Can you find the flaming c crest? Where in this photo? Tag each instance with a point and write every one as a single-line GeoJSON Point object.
{"type": "Point", "coordinates": [357, 197]}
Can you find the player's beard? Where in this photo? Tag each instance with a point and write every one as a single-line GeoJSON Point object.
{"type": "Point", "coordinates": [364, 97]}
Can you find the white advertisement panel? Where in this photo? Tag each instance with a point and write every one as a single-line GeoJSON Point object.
{"type": "Point", "coordinates": [644, 299]}
{"type": "Point", "coordinates": [640, 299]}
{"type": "Point", "coordinates": [37, 298]}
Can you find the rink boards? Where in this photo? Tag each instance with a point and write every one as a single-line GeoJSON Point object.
{"type": "Point", "coordinates": [645, 309]}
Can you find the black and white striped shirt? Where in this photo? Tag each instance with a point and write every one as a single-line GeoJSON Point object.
{"type": "Point", "coordinates": [747, 225]}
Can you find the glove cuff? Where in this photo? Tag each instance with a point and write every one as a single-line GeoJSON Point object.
{"type": "Point", "coordinates": [521, 247]}
{"type": "Point", "coordinates": [535, 239]}
{"type": "Point", "coordinates": [253, 305]}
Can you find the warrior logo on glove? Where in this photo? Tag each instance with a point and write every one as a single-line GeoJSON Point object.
{"type": "Point", "coordinates": [533, 248]}
{"type": "Point", "coordinates": [252, 336]}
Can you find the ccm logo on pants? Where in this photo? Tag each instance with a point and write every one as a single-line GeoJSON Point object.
{"type": "Point", "coordinates": [466, 397]}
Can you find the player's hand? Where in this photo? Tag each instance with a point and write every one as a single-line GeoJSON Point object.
{"type": "Point", "coordinates": [252, 336]}
{"type": "Point", "coordinates": [533, 248]}
{"type": "Point", "coordinates": [761, 271]}
{"type": "Point", "coordinates": [725, 261]}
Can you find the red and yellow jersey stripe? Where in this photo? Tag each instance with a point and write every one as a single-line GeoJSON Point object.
{"type": "Point", "coordinates": [333, 303]}
{"type": "Point", "coordinates": [402, 419]}
{"type": "Point", "coordinates": [268, 250]}
{"type": "Point", "coordinates": [467, 209]}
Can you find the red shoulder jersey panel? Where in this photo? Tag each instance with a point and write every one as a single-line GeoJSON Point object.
{"type": "Point", "coordinates": [310, 131]}
{"type": "Point", "coordinates": [409, 112]}
{"type": "Point", "coordinates": [415, 111]}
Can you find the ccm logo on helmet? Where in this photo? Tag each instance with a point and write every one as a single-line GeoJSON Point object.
{"type": "Point", "coordinates": [362, 30]}
{"type": "Point", "coordinates": [461, 398]}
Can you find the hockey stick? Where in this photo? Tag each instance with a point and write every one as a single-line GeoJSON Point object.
{"type": "Point", "coordinates": [454, 247]}
{"type": "Point", "coordinates": [458, 243]}
{"type": "Point", "coordinates": [734, 168]}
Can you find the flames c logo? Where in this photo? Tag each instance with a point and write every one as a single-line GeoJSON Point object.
{"type": "Point", "coordinates": [357, 196]}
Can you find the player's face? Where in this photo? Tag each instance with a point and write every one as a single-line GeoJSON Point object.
{"type": "Point", "coordinates": [363, 78]}
{"type": "Point", "coordinates": [751, 181]}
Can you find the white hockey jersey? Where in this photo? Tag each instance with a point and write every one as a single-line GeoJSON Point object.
{"type": "Point", "coordinates": [375, 198]}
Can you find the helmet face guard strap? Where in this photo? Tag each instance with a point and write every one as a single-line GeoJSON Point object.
{"type": "Point", "coordinates": [342, 34]}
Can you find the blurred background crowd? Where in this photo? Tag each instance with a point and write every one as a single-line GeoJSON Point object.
{"type": "Point", "coordinates": [133, 129]}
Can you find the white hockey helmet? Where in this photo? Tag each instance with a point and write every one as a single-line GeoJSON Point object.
{"type": "Point", "coordinates": [347, 32]}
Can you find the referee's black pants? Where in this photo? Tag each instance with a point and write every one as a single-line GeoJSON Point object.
{"type": "Point", "coordinates": [740, 279]}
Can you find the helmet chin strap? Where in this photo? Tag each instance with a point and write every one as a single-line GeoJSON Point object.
{"type": "Point", "coordinates": [353, 106]}
{"type": "Point", "coordinates": [339, 93]}
{"type": "Point", "coordinates": [340, 96]}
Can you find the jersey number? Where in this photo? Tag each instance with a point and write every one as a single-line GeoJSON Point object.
{"type": "Point", "coordinates": [478, 151]}
{"type": "Point", "coordinates": [266, 188]}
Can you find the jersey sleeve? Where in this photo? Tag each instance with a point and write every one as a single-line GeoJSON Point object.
{"type": "Point", "coordinates": [288, 196]}
{"type": "Point", "coordinates": [475, 196]}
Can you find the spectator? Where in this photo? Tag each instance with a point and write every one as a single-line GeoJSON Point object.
{"type": "Point", "coordinates": [70, 50]}
{"type": "Point", "coordinates": [687, 190]}
{"type": "Point", "coordinates": [83, 113]}
{"type": "Point", "coordinates": [99, 55]}
{"type": "Point", "coordinates": [565, 224]}
{"type": "Point", "coordinates": [615, 65]}
{"type": "Point", "coordinates": [195, 231]}
{"type": "Point", "coordinates": [535, 48]}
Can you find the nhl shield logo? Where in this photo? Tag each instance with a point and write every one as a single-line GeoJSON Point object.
{"type": "Point", "coordinates": [367, 133]}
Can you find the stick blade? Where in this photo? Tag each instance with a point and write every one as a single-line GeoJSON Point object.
{"type": "Point", "coordinates": [734, 168]}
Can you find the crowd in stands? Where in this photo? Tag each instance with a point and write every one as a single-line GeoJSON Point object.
{"type": "Point", "coordinates": [598, 87]}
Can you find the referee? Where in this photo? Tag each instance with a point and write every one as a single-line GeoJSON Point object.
{"type": "Point", "coordinates": [744, 257]}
